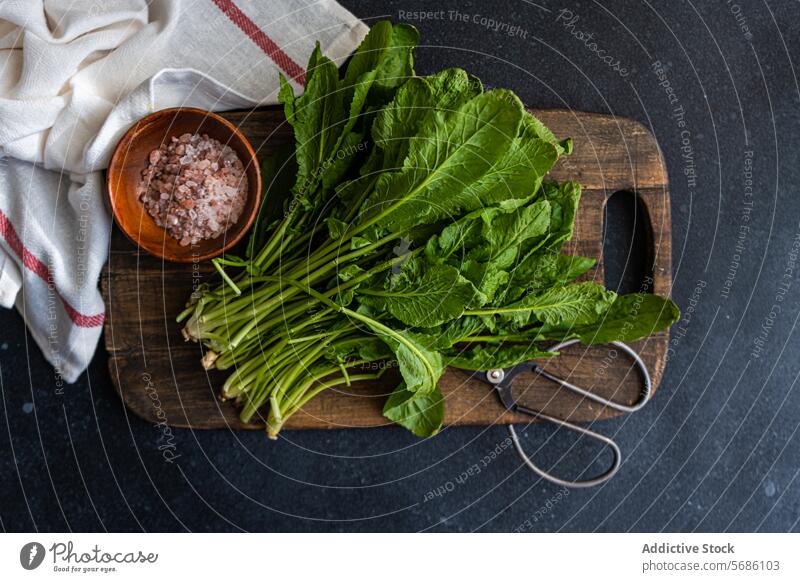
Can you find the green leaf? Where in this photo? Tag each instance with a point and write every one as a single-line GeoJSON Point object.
{"type": "Point", "coordinates": [450, 152]}
{"type": "Point", "coordinates": [513, 179]}
{"type": "Point", "coordinates": [535, 127]}
{"type": "Point", "coordinates": [460, 236]}
{"type": "Point", "coordinates": [487, 278]}
{"type": "Point", "coordinates": [278, 172]}
{"type": "Point", "coordinates": [336, 228]}
{"type": "Point", "coordinates": [351, 194]}
{"type": "Point", "coordinates": [400, 120]}
{"type": "Point", "coordinates": [372, 348]}
{"type": "Point", "coordinates": [507, 231]}
{"type": "Point", "coordinates": [516, 177]}
{"type": "Point", "coordinates": [630, 318]}
{"type": "Point", "coordinates": [420, 366]}
{"type": "Point", "coordinates": [492, 234]}
{"type": "Point", "coordinates": [425, 296]}
{"type": "Point", "coordinates": [340, 353]}
{"type": "Point", "coordinates": [347, 273]}
{"type": "Point", "coordinates": [571, 304]}
{"type": "Point", "coordinates": [383, 60]}
{"type": "Point", "coordinates": [503, 355]}
{"type": "Point", "coordinates": [564, 200]}
{"type": "Point", "coordinates": [397, 61]}
{"type": "Point", "coordinates": [345, 297]}
{"type": "Point", "coordinates": [316, 118]}
{"type": "Point", "coordinates": [421, 413]}
{"type": "Point", "coordinates": [358, 242]}
{"type": "Point", "coordinates": [451, 88]}
{"type": "Point", "coordinates": [572, 267]}
{"type": "Point", "coordinates": [344, 155]}
{"type": "Point", "coordinates": [446, 336]}
{"type": "Point", "coordinates": [286, 97]}
{"type": "Point", "coordinates": [366, 348]}
{"type": "Point", "coordinates": [540, 271]}
{"type": "Point", "coordinates": [367, 57]}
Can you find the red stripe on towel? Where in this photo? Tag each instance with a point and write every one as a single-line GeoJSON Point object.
{"type": "Point", "coordinates": [264, 42]}
{"type": "Point", "coordinates": [33, 264]}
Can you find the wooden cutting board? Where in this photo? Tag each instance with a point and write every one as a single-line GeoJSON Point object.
{"type": "Point", "coordinates": [159, 376]}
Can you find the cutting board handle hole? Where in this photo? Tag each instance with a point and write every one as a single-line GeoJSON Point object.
{"type": "Point", "coordinates": [627, 256]}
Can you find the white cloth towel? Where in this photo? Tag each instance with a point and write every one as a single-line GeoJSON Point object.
{"type": "Point", "coordinates": [74, 75]}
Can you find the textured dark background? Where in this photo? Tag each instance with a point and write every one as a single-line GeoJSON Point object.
{"type": "Point", "coordinates": [716, 450]}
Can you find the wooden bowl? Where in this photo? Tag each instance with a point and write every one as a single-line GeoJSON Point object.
{"type": "Point", "coordinates": [131, 156]}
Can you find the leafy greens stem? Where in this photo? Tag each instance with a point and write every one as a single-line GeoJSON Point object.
{"type": "Point", "coordinates": [290, 374]}
{"type": "Point", "coordinates": [356, 205]}
{"type": "Point", "coordinates": [294, 394]}
{"type": "Point", "coordinates": [267, 255]}
{"type": "Point", "coordinates": [308, 338]}
{"type": "Point", "coordinates": [375, 325]}
{"type": "Point", "coordinates": [329, 384]}
{"type": "Point", "coordinates": [307, 395]}
{"type": "Point", "coordinates": [494, 338]}
{"type": "Point", "coordinates": [228, 310]}
{"type": "Point", "coordinates": [225, 277]}
{"type": "Point", "coordinates": [236, 310]}
{"type": "Point", "coordinates": [270, 377]}
{"type": "Point", "coordinates": [267, 308]}
{"type": "Point", "coordinates": [330, 259]}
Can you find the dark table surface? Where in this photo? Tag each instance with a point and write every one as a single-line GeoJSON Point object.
{"type": "Point", "coordinates": [716, 450]}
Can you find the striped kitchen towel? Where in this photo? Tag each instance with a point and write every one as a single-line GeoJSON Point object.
{"type": "Point", "coordinates": [74, 75]}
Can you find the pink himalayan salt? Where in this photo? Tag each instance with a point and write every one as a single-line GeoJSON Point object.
{"type": "Point", "coordinates": [194, 187]}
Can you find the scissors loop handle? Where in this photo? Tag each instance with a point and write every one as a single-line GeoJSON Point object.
{"type": "Point", "coordinates": [573, 483]}
{"type": "Point", "coordinates": [647, 385]}
{"type": "Point", "coordinates": [502, 381]}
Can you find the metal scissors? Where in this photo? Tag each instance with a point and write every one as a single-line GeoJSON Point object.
{"type": "Point", "coordinates": [502, 378]}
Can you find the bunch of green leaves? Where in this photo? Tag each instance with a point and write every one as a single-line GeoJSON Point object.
{"type": "Point", "coordinates": [418, 230]}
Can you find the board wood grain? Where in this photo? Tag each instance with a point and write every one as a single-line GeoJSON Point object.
{"type": "Point", "coordinates": [159, 376]}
